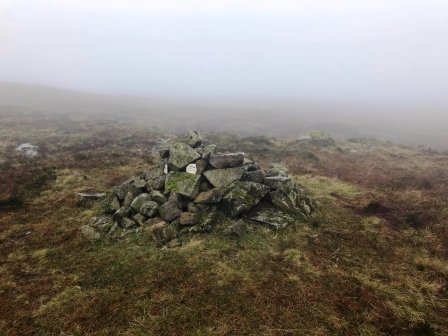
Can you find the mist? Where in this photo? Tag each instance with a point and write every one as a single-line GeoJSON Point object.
{"type": "Point", "coordinates": [376, 66]}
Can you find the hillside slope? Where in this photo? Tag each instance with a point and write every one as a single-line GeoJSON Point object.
{"type": "Point", "coordinates": [373, 261]}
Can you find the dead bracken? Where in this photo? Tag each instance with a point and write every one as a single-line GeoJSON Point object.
{"type": "Point", "coordinates": [198, 190]}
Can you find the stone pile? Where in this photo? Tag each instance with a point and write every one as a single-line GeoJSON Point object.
{"type": "Point", "coordinates": [196, 189]}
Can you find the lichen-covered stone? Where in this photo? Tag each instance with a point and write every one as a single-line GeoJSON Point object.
{"type": "Point", "coordinates": [278, 182]}
{"type": "Point", "coordinates": [139, 200]}
{"type": "Point", "coordinates": [181, 155]}
{"type": "Point", "coordinates": [158, 196]}
{"type": "Point", "coordinates": [209, 197]}
{"type": "Point", "coordinates": [111, 204]}
{"type": "Point", "coordinates": [243, 196]}
{"type": "Point", "coordinates": [128, 199]}
{"type": "Point", "coordinates": [149, 209]}
{"type": "Point", "coordinates": [102, 223]}
{"type": "Point", "coordinates": [292, 200]}
{"type": "Point", "coordinates": [159, 183]}
{"type": "Point", "coordinates": [139, 182]}
{"type": "Point", "coordinates": [238, 229]}
{"type": "Point", "coordinates": [207, 151]}
{"type": "Point", "coordinates": [271, 216]}
{"type": "Point", "coordinates": [183, 183]}
{"type": "Point", "coordinates": [123, 189]}
{"type": "Point", "coordinates": [89, 232]}
{"type": "Point", "coordinates": [223, 177]}
{"type": "Point", "coordinates": [122, 212]}
{"type": "Point", "coordinates": [169, 211]}
{"type": "Point", "coordinates": [193, 138]}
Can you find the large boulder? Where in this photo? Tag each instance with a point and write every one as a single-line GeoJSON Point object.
{"type": "Point", "coordinates": [243, 196]}
{"type": "Point", "coordinates": [181, 155]}
{"type": "Point", "coordinates": [185, 184]}
{"type": "Point", "coordinates": [223, 177]}
{"type": "Point", "coordinates": [230, 160]}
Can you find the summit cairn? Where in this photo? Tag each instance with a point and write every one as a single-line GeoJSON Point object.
{"type": "Point", "coordinates": [198, 190]}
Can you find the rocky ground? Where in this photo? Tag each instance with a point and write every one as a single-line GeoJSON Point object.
{"type": "Point", "coordinates": [371, 260]}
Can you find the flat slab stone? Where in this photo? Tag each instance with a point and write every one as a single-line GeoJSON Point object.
{"type": "Point", "coordinates": [243, 196]}
{"type": "Point", "coordinates": [230, 160]}
{"type": "Point", "coordinates": [181, 155]}
{"type": "Point", "coordinates": [223, 177]}
{"type": "Point", "coordinates": [183, 183]}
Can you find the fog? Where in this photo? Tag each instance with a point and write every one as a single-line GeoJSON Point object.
{"type": "Point", "coordinates": [357, 62]}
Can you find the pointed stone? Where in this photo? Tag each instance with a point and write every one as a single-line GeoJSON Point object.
{"type": "Point", "coordinates": [181, 155]}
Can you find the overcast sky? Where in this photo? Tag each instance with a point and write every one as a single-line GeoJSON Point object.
{"type": "Point", "coordinates": [325, 50]}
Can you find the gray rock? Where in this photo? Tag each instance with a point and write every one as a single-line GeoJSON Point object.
{"type": "Point", "coordinates": [209, 197]}
{"type": "Point", "coordinates": [271, 216]}
{"type": "Point", "coordinates": [292, 200]}
{"type": "Point", "coordinates": [169, 211]}
{"type": "Point", "coordinates": [206, 221]}
{"type": "Point", "coordinates": [230, 160]}
{"type": "Point", "coordinates": [249, 165]}
{"type": "Point", "coordinates": [176, 198]}
{"type": "Point", "coordinates": [278, 182]}
{"type": "Point", "coordinates": [153, 174]}
{"type": "Point", "coordinates": [139, 218]}
{"type": "Point", "coordinates": [111, 204]}
{"type": "Point", "coordinates": [120, 213]}
{"type": "Point", "coordinates": [243, 196]}
{"type": "Point", "coordinates": [181, 155]}
{"type": "Point", "coordinates": [223, 177]}
{"type": "Point", "coordinates": [238, 229]}
{"type": "Point", "coordinates": [89, 232]}
{"type": "Point", "coordinates": [102, 223]}
{"type": "Point", "coordinates": [148, 186]}
{"type": "Point", "coordinates": [159, 183]}
{"type": "Point", "coordinates": [128, 199]}
{"type": "Point", "coordinates": [158, 196]}
{"type": "Point", "coordinates": [149, 208]}
{"type": "Point", "coordinates": [189, 218]}
{"type": "Point", "coordinates": [277, 170]}
{"type": "Point", "coordinates": [193, 139]}
{"type": "Point", "coordinates": [139, 200]}
{"type": "Point", "coordinates": [127, 223]}
{"type": "Point", "coordinates": [254, 176]}
{"type": "Point", "coordinates": [207, 151]}
{"type": "Point", "coordinates": [139, 183]}
{"type": "Point", "coordinates": [123, 189]}
{"type": "Point", "coordinates": [91, 195]}
{"type": "Point", "coordinates": [183, 183]}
